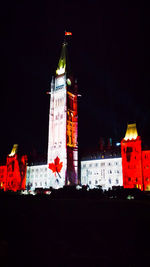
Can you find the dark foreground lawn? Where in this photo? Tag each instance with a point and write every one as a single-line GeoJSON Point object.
{"type": "Point", "coordinates": [38, 231]}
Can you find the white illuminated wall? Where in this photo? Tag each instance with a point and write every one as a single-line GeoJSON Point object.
{"type": "Point", "coordinates": [38, 177]}
{"type": "Point", "coordinates": [103, 172]}
{"type": "Point", "coordinates": [57, 129]}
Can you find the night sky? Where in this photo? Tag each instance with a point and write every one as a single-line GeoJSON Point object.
{"type": "Point", "coordinates": [109, 54]}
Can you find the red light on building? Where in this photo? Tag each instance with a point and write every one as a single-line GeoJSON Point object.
{"type": "Point", "coordinates": [68, 33]}
{"type": "Point", "coordinates": [13, 175]}
{"type": "Point", "coordinates": [131, 163]}
{"type": "Point", "coordinates": [146, 169]}
{"type": "Point", "coordinates": [135, 162]}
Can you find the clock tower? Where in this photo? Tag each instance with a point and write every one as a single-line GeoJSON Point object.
{"type": "Point", "coordinates": [63, 126]}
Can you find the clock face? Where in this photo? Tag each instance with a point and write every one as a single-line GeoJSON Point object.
{"type": "Point", "coordinates": [68, 81]}
{"type": "Point", "coordinates": [60, 81]}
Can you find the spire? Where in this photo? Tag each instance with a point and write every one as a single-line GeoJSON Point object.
{"type": "Point", "coordinates": [131, 133]}
{"type": "Point", "coordinates": [14, 150]}
{"type": "Point", "coordinates": [62, 61]}
{"type": "Point", "coordinates": [63, 64]}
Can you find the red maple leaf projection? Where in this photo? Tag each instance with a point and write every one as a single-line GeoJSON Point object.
{"type": "Point", "coordinates": [56, 166]}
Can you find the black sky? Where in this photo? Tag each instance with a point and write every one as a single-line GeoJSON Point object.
{"type": "Point", "coordinates": [109, 53]}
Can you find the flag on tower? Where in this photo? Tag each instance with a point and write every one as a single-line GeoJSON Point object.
{"type": "Point", "coordinates": [68, 33]}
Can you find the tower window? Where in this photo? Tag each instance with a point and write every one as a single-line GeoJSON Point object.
{"type": "Point", "coordinates": [129, 149]}
{"type": "Point", "coordinates": [129, 179]}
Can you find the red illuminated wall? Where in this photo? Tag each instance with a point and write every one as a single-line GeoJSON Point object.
{"type": "Point", "coordinates": [13, 175]}
{"type": "Point", "coordinates": [135, 165]}
{"type": "Point", "coordinates": [146, 169]}
{"type": "Point", "coordinates": [132, 163]}
{"type": "Point", "coordinates": [72, 133]}
{"type": "Point", "coordinates": [3, 176]}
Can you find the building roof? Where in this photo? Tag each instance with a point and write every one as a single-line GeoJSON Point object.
{"type": "Point", "coordinates": [131, 133]}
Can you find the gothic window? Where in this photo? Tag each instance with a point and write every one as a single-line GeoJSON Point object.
{"type": "Point", "coordinates": [117, 181]}
{"type": "Point", "coordinates": [129, 149]}
{"type": "Point", "coordinates": [13, 166]}
{"type": "Point", "coordinates": [109, 181]}
{"type": "Point", "coordinates": [96, 182]}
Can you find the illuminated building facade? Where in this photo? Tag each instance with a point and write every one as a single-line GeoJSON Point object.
{"type": "Point", "coordinates": [130, 169]}
{"type": "Point", "coordinates": [104, 172]}
{"type": "Point", "coordinates": [135, 162]}
{"type": "Point", "coordinates": [63, 126]}
{"type": "Point", "coordinates": [13, 174]}
{"type": "Point", "coordinates": [62, 157]}
{"type": "Point", "coordinates": [38, 176]}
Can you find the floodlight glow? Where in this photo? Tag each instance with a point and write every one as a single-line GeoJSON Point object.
{"type": "Point", "coordinates": [118, 144]}
{"type": "Point", "coordinates": [60, 71]}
